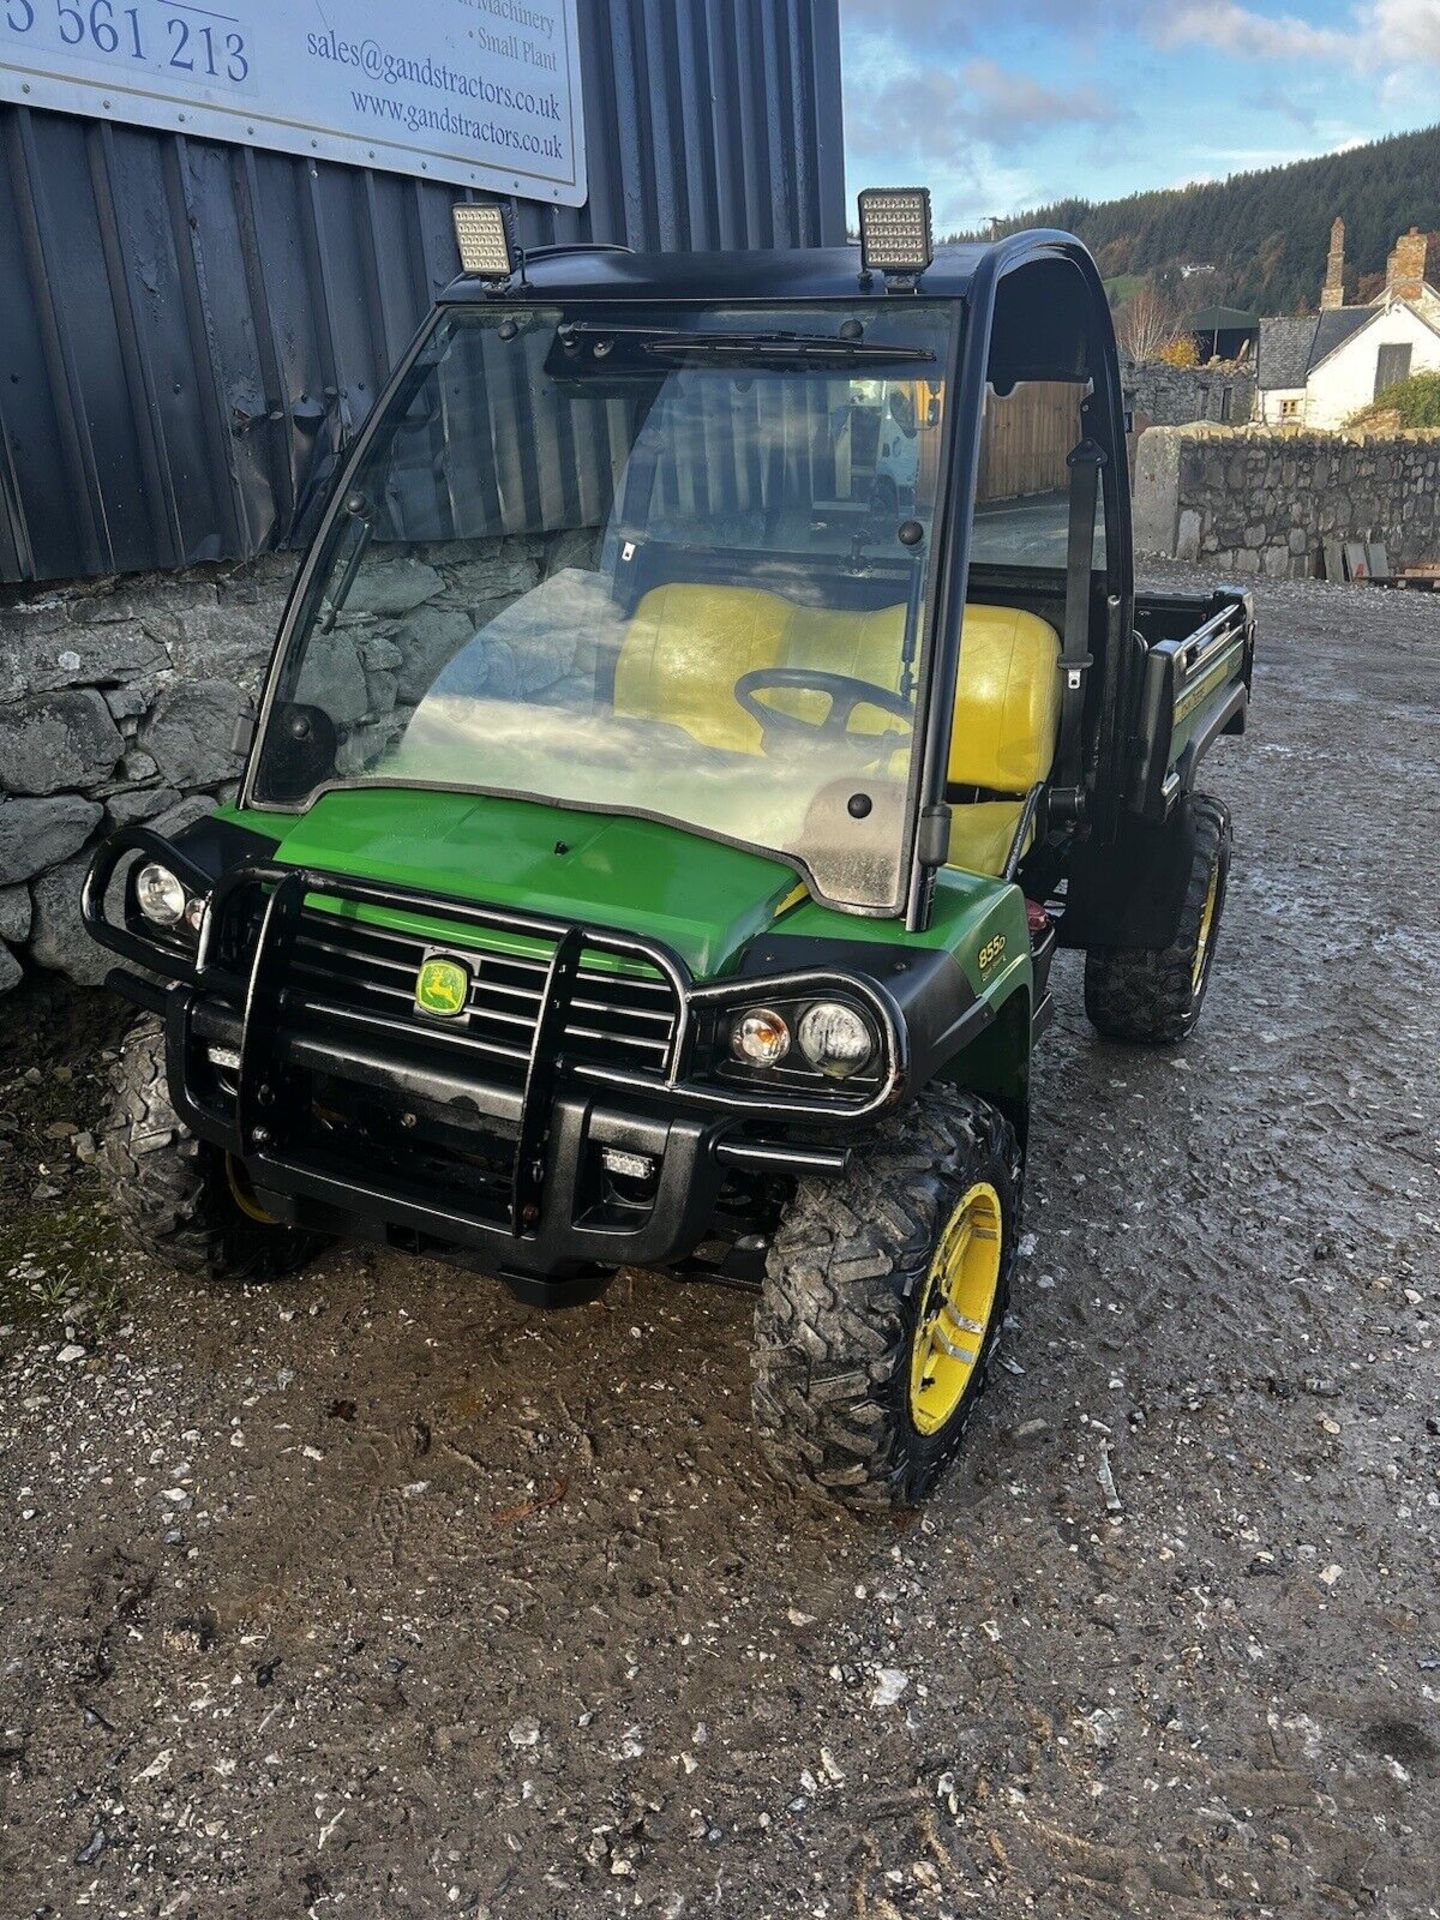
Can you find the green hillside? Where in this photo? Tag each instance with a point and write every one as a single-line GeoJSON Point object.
{"type": "Point", "coordinates": [1265, 233]}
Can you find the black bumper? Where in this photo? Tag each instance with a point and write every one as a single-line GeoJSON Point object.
{"type": "Point", "coordinates": [572, 1231]}
{"type": "Point", "coordinates": [360, 1122]}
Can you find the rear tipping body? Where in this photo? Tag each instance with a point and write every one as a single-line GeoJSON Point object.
{"type": "Point", "coordinates": [653, 789]}
{"type": "Point", "coordinates": [1194, 686]}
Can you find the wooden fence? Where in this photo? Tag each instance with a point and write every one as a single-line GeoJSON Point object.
{"type": "Point", "coordinates": [1026, 438]}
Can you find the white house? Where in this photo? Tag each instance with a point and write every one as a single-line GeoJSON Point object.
{"type": "Point", "coordinates": [1317, 370]}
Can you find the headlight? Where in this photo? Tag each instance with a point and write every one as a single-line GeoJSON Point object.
{"type": "Point", "coordinates": [836, 1039]}
{"type": "Point", "coordinates": [160, 896]}
{"type": "Point", "coordinates": [759, 1037]}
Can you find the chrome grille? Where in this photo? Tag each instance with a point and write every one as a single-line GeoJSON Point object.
{"type": "Point", "coordinates": [354, 972]}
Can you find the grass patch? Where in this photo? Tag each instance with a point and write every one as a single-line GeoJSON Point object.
{"type": "Point", "coordinates": [60, 1264]}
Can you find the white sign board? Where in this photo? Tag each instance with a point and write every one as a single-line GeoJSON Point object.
{"type": "Point", "coordinates": [481, 92]}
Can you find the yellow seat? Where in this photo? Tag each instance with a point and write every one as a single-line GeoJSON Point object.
{"type": "Point", "coordinates": [685, 649]}
{"type": "Point", "coordinates": [689, 643]}
{"type": "Point", "coordinates": [1007, 722]}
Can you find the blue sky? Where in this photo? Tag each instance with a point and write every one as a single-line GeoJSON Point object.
{"type": "Point", "coordinates": [997, 107]}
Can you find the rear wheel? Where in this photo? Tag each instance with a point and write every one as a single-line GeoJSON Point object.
{"type": "Point", "coordinates": [1155, 998]}
{"type": "Point", "coordinates": [882, 1304]}
{"type": "Point", "coordinates": [180, 1199]}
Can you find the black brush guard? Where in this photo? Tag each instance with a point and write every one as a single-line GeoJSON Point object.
{"type": "Point", "coordinates": [240, 993]}
{"type": "Point", "coordinates": [250, 1041]}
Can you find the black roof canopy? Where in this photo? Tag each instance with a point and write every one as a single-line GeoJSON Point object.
{"type": "Point", "coordinates": [1033, 324]}
{"type": "Point", "coordinates": [810, 273]}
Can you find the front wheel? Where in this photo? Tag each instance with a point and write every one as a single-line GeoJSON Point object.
{"type": "Point", "coordinates": [180, 1199]}
{"type": "Point", "coordinates": [1154, 998]}
{"type": "Point", "coordinates": [882, 1305]}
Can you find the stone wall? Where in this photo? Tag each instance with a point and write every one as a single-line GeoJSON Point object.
{"type": "Point", "coordinates": [118, 705]}
{"type": "Point", "coordinates": [1161, 396]}
{"type": "Point", "coordinates": [1266, 500]}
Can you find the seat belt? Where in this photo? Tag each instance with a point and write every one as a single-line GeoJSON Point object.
{"type": "Point", "coordinates": [1084, 463]}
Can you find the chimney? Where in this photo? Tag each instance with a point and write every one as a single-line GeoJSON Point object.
{"type": "Point", "coordinates": [1332, 294]}
{"type": "Point", "coordinates": [1405, 269]}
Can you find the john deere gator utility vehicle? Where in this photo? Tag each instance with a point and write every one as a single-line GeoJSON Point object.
{"type": "Point", "coordinates": [715, 690]}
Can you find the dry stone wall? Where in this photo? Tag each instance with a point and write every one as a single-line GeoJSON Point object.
{"type": "Point", "coordinates": [1265, 501]}
{"type": "Point", "coordinates": [118, 705]}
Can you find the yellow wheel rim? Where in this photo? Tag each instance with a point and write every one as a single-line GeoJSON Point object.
{"type": "Point", "coordinates": [956, 1309]}
{"type": "Point", "coordinates": [243, 1194]}
{"type": "Point", "coordinates": [1207, 931]}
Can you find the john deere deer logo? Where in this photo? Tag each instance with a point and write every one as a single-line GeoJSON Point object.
{"type": "Point", "coordinates": [442, 987]}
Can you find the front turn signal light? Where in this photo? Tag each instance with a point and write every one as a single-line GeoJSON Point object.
{"type": "Point", "coordinates": [759, 1037]}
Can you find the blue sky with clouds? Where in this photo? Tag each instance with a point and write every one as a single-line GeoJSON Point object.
{"type": "Point", "coordinates": [1001, 107]}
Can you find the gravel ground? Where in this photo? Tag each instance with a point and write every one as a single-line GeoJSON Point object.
{"type": "Point", "coordinates": [378, 1594]}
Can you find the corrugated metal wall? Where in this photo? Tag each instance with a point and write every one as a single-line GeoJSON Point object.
{"type": "Point", "coordinates": [188, 329]}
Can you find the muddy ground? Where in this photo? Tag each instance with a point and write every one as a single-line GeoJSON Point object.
{"type": "Point", "coordinates": [378, 1594]}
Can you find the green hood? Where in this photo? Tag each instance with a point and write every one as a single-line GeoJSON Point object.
{"type": "Point", "coordinates": [704, 900]}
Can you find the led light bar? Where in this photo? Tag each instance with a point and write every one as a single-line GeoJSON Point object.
{"type": "Point", "coordinates": [895, 232]}
{"type": "Point", "coordinates": [634, 1166]}
{"type": "Point", "coordinates": [483, 235]}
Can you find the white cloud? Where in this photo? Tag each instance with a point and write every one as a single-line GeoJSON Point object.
{"type": "Point", "coordinates": [960, 130]}
{"type": "Point", "coordinates": [1012, 106]}
{"type": "Point", "coordinates": [1380, 36]}
{"type": "Point", "coordinates": [1228, 160]}
{"type": "Point", "coordinates": [1408, 28]}
{"type": "Point", "coordinates": [1237, 29]}
{"type": "Point", "coordinates": [1286, 103]}
{"type": "Point", "coordinates": [932, 111]}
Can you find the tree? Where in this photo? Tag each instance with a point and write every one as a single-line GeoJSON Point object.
{"type": "Point", "coordinates": [1113, 258]}
{"type": "Point", "coordinates": [1143, 324]}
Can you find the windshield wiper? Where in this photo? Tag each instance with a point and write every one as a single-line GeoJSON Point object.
{"type": "Point", "coordinates": [779, 347]}
{"type": "Point", "coordinates": [775, 349]}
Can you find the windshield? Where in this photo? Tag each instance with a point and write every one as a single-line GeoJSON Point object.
{"type": "Point", "coordinates": [674, 566]}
